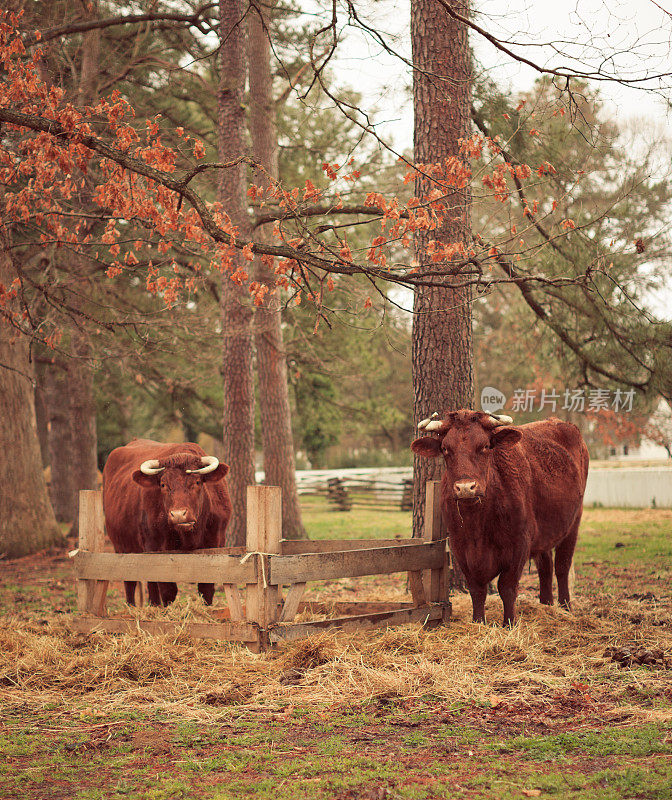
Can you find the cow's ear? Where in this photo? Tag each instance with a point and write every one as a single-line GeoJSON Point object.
{"type": "Point", "coordinates": [148, 481]}
{"type": "Point", "coordinates": [505, 437]}
{"type": "Point", "coordinates": [217, 474]}
{"type": "Point", "coordinates": [428, 446]}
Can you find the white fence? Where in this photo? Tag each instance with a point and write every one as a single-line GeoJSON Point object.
{"type": "Point", "coordinates": [630, 487]}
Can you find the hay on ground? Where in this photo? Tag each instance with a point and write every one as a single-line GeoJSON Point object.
{"type": "Point", "coordinates": [548, 651]}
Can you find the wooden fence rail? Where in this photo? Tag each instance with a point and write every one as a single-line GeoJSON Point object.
{"type": "Point", "coordinates": [267, 568]}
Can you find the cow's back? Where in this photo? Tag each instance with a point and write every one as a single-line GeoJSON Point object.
{"type": "Point", "coordinates": [557, 457]}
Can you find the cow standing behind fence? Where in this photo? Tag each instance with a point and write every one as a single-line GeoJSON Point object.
{"type": "Point", "coordinates": [161, 497]}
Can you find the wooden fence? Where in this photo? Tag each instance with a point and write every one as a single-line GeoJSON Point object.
{"type": "Point", "coordinates": [345, 493]}
{"type": "Point", "coordinates": [264, 581]}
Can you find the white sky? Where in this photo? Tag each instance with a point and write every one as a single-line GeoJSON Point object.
{"type": "Point", "coordinates": [637, 35]}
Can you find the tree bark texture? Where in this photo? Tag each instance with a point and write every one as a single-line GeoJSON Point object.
{"type": "Point", "coordinates": [41, 417]}
{"type": "Point", "coordinates": [274, 407]}
{"type": "Point", "coordinates": [83, 409]}
{"type": "Point", "coordinates": [57, 400]}
{"type": "Point", "coordinates": [237, 312]}
{"type": "Point", "coordinates": [27, 522]}
{"type": "Point", "coordinates": [442, 335]}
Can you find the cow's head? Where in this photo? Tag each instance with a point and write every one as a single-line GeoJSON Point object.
{"type": "Point", "coordinates": [468, 441]}
{"type": "Point", "coordinates": [180, 478]}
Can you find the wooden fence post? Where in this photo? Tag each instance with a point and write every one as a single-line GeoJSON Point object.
{"type": "Point", "coordinates": [436, 582]}
{"type": "Point", "coordinates": [91, 594]}
{"type": "Point", "coordinates": [264, 532]}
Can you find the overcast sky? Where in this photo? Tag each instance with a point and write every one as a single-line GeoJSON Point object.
{"type": "Point", "coordinates": [635, 35]}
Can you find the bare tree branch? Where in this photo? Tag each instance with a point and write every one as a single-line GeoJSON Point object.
{"type": "Point", "coordinates": [196, 19]}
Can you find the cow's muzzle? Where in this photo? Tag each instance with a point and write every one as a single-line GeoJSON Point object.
{"type": "Point", "coordinates": [467, 490]}
{"type": "Point", "coordinates": [181, 518]}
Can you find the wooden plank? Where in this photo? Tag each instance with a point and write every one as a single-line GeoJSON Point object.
{"type": "Point", "coordinates": [291, 604]}
{"type": "Point", "coordinates": [182, 567]}
{"type": "Point", "coordinates": [344, 607]}
{"type": "Point", "coordinates": [234, 601]}
{"type": "Point", "coordinates": [301, 630]}
{"type": "Point", "coordinates": [417, 588]}
{"type": "Point", "coordinates": [233, 632]}
{"type": "Point", "coordinates": [92, 594]}
{"type": "Point", "coordinates": [375, 561]}
{"type": "Point", "coordinates": [293, 547]}
{"type": "Point", "coordinates": [214, 551]}
{"type": "Point", "coordinates": [264, 532]}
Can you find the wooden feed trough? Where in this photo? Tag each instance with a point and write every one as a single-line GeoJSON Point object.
{"type": "Point", "coordinates": [272, 573]}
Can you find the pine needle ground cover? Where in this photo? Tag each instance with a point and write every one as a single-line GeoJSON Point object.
{"type": "Point", "coordinates": [564, 705]}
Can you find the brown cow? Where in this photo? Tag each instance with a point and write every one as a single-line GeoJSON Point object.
{"type": "Point", "coordinates": [160, 497]}
{"type": "Point", "coordinates": [508, 494]}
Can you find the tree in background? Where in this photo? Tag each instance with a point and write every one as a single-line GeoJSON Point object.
{"type": "Point", "coordinates": [27, 521]}
{"type": "Point", "coordinates": [237, 313]}
{"type": "Point", "coordinates": [274, 406]}
{"type": "Point", "coordinates": [442, 336]}
{"type": "Point", "coordinates": [616, 203]}
{"type": "Point", "coordinates": [659, 427]}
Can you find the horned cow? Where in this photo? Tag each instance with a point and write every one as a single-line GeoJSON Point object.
{"type": "Point", "coordinates": [509, 494]}
{"type": "Point", "coordinates": [160, 497]}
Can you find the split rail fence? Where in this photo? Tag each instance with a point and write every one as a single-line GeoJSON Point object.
{"type": "Point", "coordinates": [270, 573]}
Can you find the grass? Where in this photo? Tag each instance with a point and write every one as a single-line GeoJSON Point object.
{"type": "Point", "coordinates": [147, 759]}
{"type": "Point", "coordinates": [323, 523]}
{"type": "Point", "coordinates": [462, 712]}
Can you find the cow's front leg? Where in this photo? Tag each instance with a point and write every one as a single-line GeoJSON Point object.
{"type": "Point", "coordinates": [168, 593]}
{"type": "Point", "coordinates": [507, 586]}
{"type": "Point", "coordinates": [129, 588]}
{"type": "Point", "coordinates": [153, 593]}
{"type": "Point", "coordinates": [478, 592]}
{"type": "Point", "coordinates": [207, 592]}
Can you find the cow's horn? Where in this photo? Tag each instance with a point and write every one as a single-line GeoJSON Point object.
{"type": "Point", "coordinates": [423, 424]}
{"type": "Point", "coordinates": [502, 419]}
{"type": "Point", "coordinates": [151, 467]}
{"type": "Point", "coordinates": [210, 464]}
{"type": "Point", "coordinates": [435, 425]}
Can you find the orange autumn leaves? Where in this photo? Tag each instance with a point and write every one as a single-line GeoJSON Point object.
{"type": "Point", "coordinates": [148, 231]}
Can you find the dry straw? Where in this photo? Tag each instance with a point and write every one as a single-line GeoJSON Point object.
{"type": "Point", "coordinates": [548, 651]}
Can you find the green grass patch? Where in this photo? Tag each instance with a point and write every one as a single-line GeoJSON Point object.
{"type": "Point", "coordinates": [634, 742]}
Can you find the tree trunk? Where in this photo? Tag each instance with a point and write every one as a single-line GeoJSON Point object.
{"type": "Point", "coordinates": [27, 522]}
{"type": "Point", "coordinates": [41, 417]}
{"type": "Point", "coordinates": [84, 448]}
{"type": "Point", "coordinates": [83, 410]}
{"type": "Point", "coordinates": [57, 398]}
{"type": "Point", "coordinates": [237, 313]}
{"type": "Point", "coordinates": [442, 336]}
{"type": "Point", "coordinates": [276, 425]}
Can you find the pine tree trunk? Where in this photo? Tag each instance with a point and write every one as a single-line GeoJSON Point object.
{"type": "Point", "coordinates": [237, 313]}
{"type": "Point", "coordinates": [27, 522]}
{"type": "Point", "coordinates": [442, 335]}
{"type": "Point", "coordinates": [84, 447]}
{"type": "Point", "coordinates": [57, 399]}
{"type": "Point", "coordinates": [276, 425]}
{"type": "Point", "coordinates": [83, 420]}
